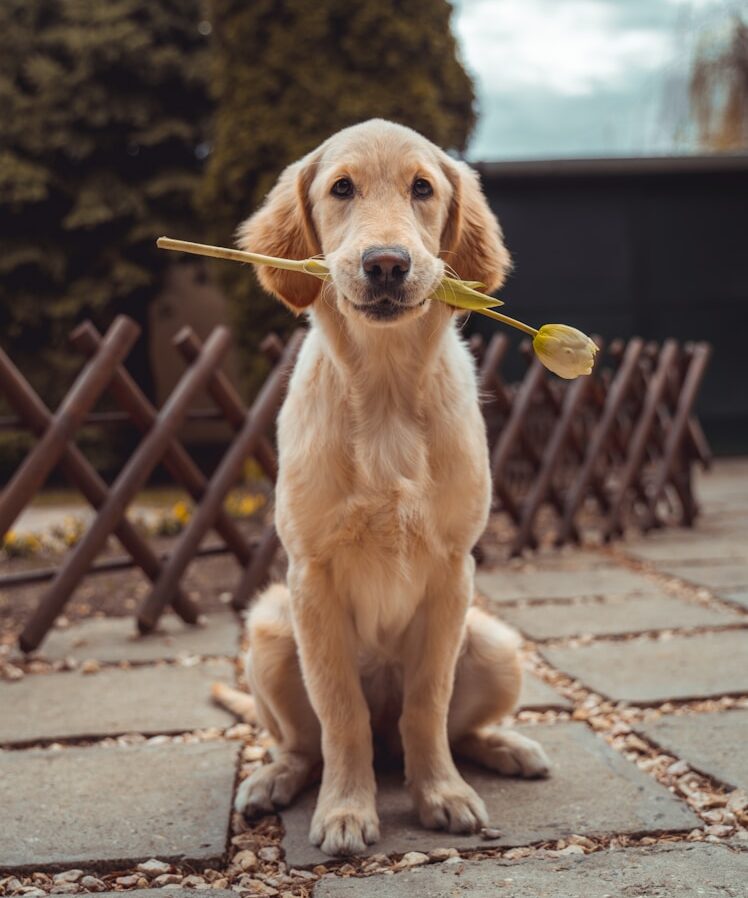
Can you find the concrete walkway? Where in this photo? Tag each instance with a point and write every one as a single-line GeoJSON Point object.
{"type": "Point", "coordinates": [117, 772]}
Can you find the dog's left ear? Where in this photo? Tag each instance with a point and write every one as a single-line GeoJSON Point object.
{"type": "Point", "coordinates": [283, 227]}
{"type": "Point", "coordinates": [472, 242]}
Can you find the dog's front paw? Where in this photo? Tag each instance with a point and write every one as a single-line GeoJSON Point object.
{"type": "Point", "coordinates": [452, 805]}
{"type": "Point", "coordinates": [271, 786]}
{"type": "Point", "coordinates": [344, 830]}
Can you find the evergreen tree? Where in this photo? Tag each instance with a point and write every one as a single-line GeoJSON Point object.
{"type": "Point", "coordinates": [286, 75]}
{"type": "Point", "coordinates": [104, 110]}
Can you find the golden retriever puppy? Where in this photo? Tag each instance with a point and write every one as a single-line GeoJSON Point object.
{"type": "Point", "coordinates": [384, 488]}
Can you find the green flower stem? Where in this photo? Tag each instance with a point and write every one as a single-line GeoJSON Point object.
{"type": "Point", "coordinates": [505, 319]}
{"type": "Point", "coordinates": [303, 266]}
{"type": "Point", "coordinates": [451, 291]}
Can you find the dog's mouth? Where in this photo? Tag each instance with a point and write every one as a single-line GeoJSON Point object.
{"type": "Point", "coordinates": [387, 306]}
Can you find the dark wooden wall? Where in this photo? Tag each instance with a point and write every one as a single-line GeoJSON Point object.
{"type": "Point", "coordinates": [649, 247]}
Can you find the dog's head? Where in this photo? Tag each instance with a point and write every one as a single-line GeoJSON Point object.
{"type": "Point", "coordinates": [388, 210]}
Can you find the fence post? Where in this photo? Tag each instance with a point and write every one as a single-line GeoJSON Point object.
{"type": "Point", "coordinates": [88, 386]}
{"type": "Point", "coordinates": [260, 416]}
{"type": "Point", "coordinates": [130, 480]}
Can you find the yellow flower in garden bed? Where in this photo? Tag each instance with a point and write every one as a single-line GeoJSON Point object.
{"type": "Point", "coordinates": [562, 349]}
{"type": "Point", "coordinates": [21, 545]}
{"type": "Point", "coordinates": [245, 506]}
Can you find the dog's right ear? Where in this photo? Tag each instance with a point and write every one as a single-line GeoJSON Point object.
{"type": "Point", "coordinates": [283, 227]}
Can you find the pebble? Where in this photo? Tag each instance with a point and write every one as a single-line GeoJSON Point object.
{"type": "Point", "coordinates": [719, 829]}
{"type": "Point", "coordinates": [269, 853]}
{"type": "Point", "coordinates": [93, 884]}
{"type": "Point", "coordinates": [154, 867]}
{"type": "Point", "coordinates": [246, 860]}
{"type": "Point", "coordinates": [132, 880]}
{"type": "Point", "coordinates": [453, 860]}
{"type": "Point", "coordinates": [243, 840]}
{"type": "Point", "coordinates": [68, 876]}
{"type": "Point", "coordinates": [32, 892]}
{"type": "Point", "coordinates": [489, 832]}
{"type": "Point", "coordinates": [11, 672]}
{"type": "Point", "coordinates": [65, 888]}
{"type": "Point", "coordinates": [302, 874]}
{"type": "Point", "coordinates": [167, 879]}
{"type": "Point", "coordinates": [442, 854]}
{"type": "Point", "coordinates": [412, 859]}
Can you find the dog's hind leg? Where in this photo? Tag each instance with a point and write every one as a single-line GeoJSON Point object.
{"type": "Point", "coordinates": [487, 685]}
{"type": "Point", "coordinates": [282, 706]}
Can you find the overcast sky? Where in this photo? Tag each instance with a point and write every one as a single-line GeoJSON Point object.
{"type": "Point", "coordinates": [582, 77]}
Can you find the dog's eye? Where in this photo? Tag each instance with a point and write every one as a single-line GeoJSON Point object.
{"type": "Point", "coordinates": [422, 188]}
{"type": "Point", "coordinates": [342, 188]}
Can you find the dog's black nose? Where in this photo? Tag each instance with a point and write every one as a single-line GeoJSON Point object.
{"type": "Point", "coordinates": [386, 265]}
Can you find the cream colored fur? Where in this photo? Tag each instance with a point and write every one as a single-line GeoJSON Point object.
{"type": "Point", "coordinates": [384, 488]}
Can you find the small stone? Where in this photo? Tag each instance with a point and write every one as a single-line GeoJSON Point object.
{"type": "Point", "coordinates": [243, 840]}
{"type": "Point", "coordinates": [320, 870]}
{"type": "Point", "coordinates": [489, 832]}
{"type": "Point", "coordinates": [269, 853]}
{"type": "Point", "coordinates": [154, 867]}
{"type": "Point", "coordinates": [678, 768]}
{"type": "Point", "coordinates": [516, 853]}
{"type": "Point", "coordinates": [245, 860]}
{"type": "Point", "coordinates": [68, 876]}
{"type": "Point", "coordinates": [452, 861]}
{"type": "Point", "coordinates": [32, 892]}
{"type": "Point", "coordinates": [581, 840]}
{"type": "Point", "coordinates": [303, 874]}
{"type": "Point", "coordinates": [719, 829]}
{"type": "Point", "coordinates": [12, 884]}
{"type": "Point", "coordinates": [412, 859]}
{"type": "Point", "coordinates": [93, 884]}
{"type": "Point", "coordinates": [90, 666]}
{"type": "Point", "coordinates": [11, 672]}
{"type": "Point", "coordinates": [571, 849]}
{"type": "Point", "coordinates": [253, 753]}
{"type": "Point", "coordinates": [219, 883]}
{"type": "Point", "coordinates": [194, 882]}
{"type": "Point", "coordinates": [128, 881]}
{"type": "Point", "coordinates": [167, 879]}
{"type": "Point", "coordinates": [442, 854]}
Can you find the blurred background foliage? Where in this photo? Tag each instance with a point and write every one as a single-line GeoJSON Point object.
{"type": "Point", "coordinates": [104, 107]}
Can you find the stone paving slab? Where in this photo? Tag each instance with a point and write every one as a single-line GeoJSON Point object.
{"type": "Point", "coordinates": [715, 744]}
{"type": "Point", "coordinates": [649, 671]}
{"type": "Point", "coordinates": [506, 585]}
{"type": "Point", "coordinates": [149, 700]}
{"type": "Point", "coordinates": [739, 597]}
{"type": "Point", "coordinates": [115, 639]}
{"type": "Point", "coordinates": [690, 547]}
{"type": "Point", "coordinates": [536, 695]}
{"type": "Point", "coordinates": [713, 576]}
{"type": "Point", "coordinates": [112, 807]}
{"type": "Point", "coordinates": [687, 870]}
{"type": "Point", "coordinates": [593, 790]}
{"type": "Point", "coordinates": [630, 614]}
